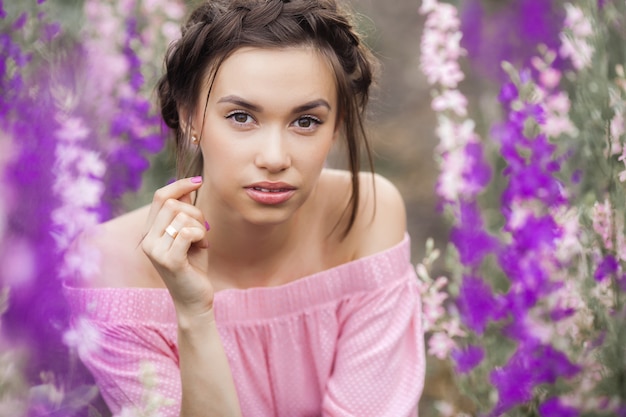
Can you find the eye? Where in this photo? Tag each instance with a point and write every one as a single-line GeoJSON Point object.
{"type": "Point", "coordinates": [240, 117]}
{"type": "Point", "coordinates": [307, 122]}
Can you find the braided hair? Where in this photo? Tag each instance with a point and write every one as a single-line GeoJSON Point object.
{"type": "Point", "coordinates": [216, 28]}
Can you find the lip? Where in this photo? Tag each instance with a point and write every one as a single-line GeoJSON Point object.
{"type": "Point", "coordinates": [270, 193]}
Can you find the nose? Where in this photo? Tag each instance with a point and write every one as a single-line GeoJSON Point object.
{"type": "Point", "coordinates": [273, 154]}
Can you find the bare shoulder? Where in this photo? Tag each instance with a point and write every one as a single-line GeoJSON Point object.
{"type": "Point", "coordinates": [117, 244]}
{"type": "Point", "coordinates": [381, 218]}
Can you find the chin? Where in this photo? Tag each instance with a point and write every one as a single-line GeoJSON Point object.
{"type": "Point", "coordinates": [270, 215]}
{"type": "Point", "coordinates": [268, 219]}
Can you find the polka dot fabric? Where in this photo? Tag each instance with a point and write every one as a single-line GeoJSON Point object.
{"type": "Point", "coordinates": [344, 342]}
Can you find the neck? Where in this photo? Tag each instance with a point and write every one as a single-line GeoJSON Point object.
{"type": "Point", "coordinates": [244, 253]}
{"type": "Point", "coordinates": [246, 243]}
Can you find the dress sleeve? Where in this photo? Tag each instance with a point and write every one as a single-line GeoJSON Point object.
{"type": "Point", "coordinates": [136, 370]}
{"type": "Point", "coordinates": [133, 359]}
{"type": "Point", "coordinates": [379, 365]}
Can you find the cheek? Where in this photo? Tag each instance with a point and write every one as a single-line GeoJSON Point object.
{"type": "Point", "coordinates": [221, 155]}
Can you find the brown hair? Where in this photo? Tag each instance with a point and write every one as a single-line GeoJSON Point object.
{"type": "Point", "coordinates": [216, 28]}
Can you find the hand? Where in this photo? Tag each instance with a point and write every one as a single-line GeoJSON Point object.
{"type": "Point", "coordinates": [179, 254]}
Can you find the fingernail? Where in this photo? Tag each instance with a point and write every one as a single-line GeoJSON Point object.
{"type": "Point", "coordinates": [196, 180]}
{"type": "Point", "coordinates": [206, 224]}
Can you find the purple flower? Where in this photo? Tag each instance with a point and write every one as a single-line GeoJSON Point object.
{"type": "Point", "coordinates": [561, 313]}
{"type": "Point", "coordinates": [553, 408]}
{"type": "Point", "coordinates": [468, 358]}
{"type": "Point", "coordinates": [476, 302]}
{"type": "Point", "coordinates": [514, 383]}
{"type": "Point", "coordinates": [51, 31]}
{"type": "Point", "coordinates": [30, 118]}
{"type": "Point", "coordinates": [508, 92]}
{"type": "Point", "coordinates": [551, 364]}
{"type": "Point", "coordinates": [493, 36]}
{"type": "Point", "coordinates": [477, 173]}
{"type": "Point", "coordinates": [607, 267]}
{"type": "Point", "coordinates": [470, 237]}
{"type": "Point", "coordinates": [20, 21]}
{"type": "Point", "coordinates": [530, 365]}
{"type": "Point", "coordinates": [536, 234]}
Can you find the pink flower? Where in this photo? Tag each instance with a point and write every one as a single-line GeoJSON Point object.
{"type": "Point", "coordinates": [433, 309]}
{"type": "Point", "coordinates": [622, 174]}
{"type": "Point", "coordinates": [440, 345]}
{"type": "Point", "coordinates": [451, 182]}
{"type": "Point", "coordinates": [579, 51]}
{"type": "Point", "coordinates": [443, 17]}
{"type": "Point", "coordinates": [568, 245]}
{"type": "Point", "coordinates": [550, 78]}
{"type": "Point", "coordinates": [602, 223]}
{"type": "Point", "coordinates": [453, 328]}
{"type": "Point", "coordinates": [617, 126]}
{"type": "Point", "coordinates": [448, 74]}
{"type": "Point", "coordinates": [451, 100]}
{"type": "Point", "coordinates": [576, 20]}
{"type": "Point", "coordinates": [441, 45]}
{"type": "Point", "coordinates": [558, 103]}
{"type": "Point", "coordinates": [453, 135]}
{"type": "Point", "coordinates": [428, 6]}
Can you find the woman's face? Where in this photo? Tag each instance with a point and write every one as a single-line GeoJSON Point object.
{"type": "Point", "coordinates": [270, 122]}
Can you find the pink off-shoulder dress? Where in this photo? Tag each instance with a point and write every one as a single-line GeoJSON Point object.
{"type": "Point", "coordinates": [346, 341]}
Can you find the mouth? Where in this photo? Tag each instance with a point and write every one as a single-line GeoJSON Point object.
{"type": "Point", "coordinates": [271, 190]}
{"type": "Point", "coordinates": [270, 193]}
{"type": "Point", "coordinates": [271, 187]}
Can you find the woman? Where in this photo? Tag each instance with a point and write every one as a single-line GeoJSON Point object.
{"type": "Point", "coordinates": [299, 299]}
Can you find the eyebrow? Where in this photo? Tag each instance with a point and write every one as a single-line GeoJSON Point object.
{"type": "Point", "coordinates": [255, 108]}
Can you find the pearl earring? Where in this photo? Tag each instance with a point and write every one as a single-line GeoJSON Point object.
{"type": "Point", "coordinates": [194, 139]}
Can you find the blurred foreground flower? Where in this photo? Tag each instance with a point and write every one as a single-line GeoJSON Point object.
{"type": "Point", "coordinates": [76, 128]}
{"type": "Point", "coordinates": [537, 255]}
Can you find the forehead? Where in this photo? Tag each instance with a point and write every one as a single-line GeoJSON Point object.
{"type": "Point", "coordinates": [276, 76]}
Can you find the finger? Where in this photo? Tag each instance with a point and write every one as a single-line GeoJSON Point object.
{"type": "Point", "coordinates": [182, 220]}
{"type": "Point", "coordinates": [185, 238]}
{"type": "Point", "coordinates": [184, 231]}
{"type": "Point", "coordinates": [178, 190]}
{"type": "Point", "coordinates": [169, 212]}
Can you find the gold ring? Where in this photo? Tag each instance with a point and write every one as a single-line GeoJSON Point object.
{"type": "Point", "coordinates": [171, 231]}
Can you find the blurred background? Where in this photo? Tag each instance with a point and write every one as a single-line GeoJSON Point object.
{"type": "Point", "coordinates": [402, 123]}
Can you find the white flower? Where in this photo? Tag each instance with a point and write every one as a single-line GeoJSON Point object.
{"type": "Point", "coordinates": [83, 192]}
{"type": "Point", "coordinates": [575, 20]}
{"type": "Point", "coordinates": [451, 100]}
{"type": "Point", "coordinates": [453, 135]}
{"type": "Point", "coordinates": [451, 182]}
{"type": "Point", "coordinates": [617, 126]}
{"type": "Point", "coordinates": [443, 17]}
{"type": "Point", "coordinates": [81, 261]}
{"type": "Point", "coordinates": [72, 129]}
{"type": "Point", "coordinates": [428, 6]}
{"type": "Point", "coordinates": [90, 163]}
{"type": "Point", "coordinates": [84, 337]}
